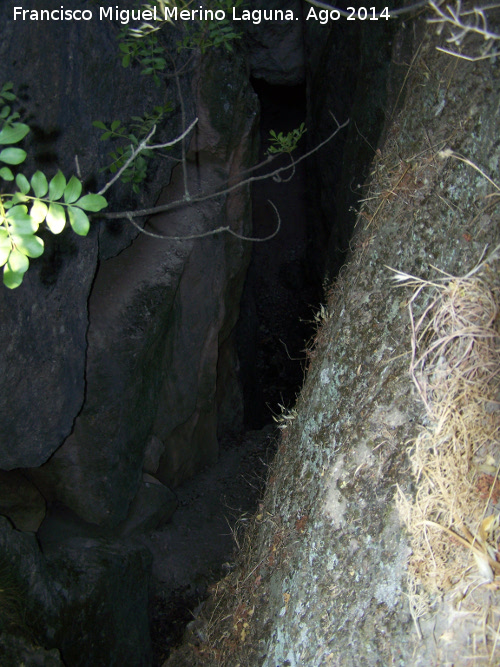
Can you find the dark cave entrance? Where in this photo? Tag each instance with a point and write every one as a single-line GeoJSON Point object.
{"type": "Point", "coordinates": [282, 290]}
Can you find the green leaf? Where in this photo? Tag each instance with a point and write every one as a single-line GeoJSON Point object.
{"type": "Point", "coordinates": [6, 174]}
{"type": "Point", "coordinates": [13, 133]}
{"type": "Point", "coordinates": [30, 245]}
{"type": "Point", "coordinates": [12, 155]}
{"type": "Point", "coordinates": [23, 183]}
{"type": "Point", "coordinates": [78, 220]}
{"type": "Point", "coordinates": [38, 211]}
{"type": "Point", "coordinates": [18, 198]}
{"type": "Point", "coordinates": [115, 125]}
{"type": "Point", "coordinates": [18, 217]}
{"type": "Point", "coordinates": [72, 190]}
{"type": "Point", "coordinates": [56, 218]}
{"type": "Point", "coordinates": [99, 124]}
{"type": "Point", "coordinates": [92, 202]}
{"type": "Point", "coordinates": [11, 279]}
{"type": "Point", "coordinates": [18, 262]}
{"type": "Point", "coordinates": [39, 184]}
{"type": "Point", "coordinates": [57, 185]}
{"type": "Point", "coordinates": [5, 248]}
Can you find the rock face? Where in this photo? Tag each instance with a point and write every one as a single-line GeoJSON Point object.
{"type": "Point", "coordinates": [356, 56]}
{"type": "Point", "coordinates": [159, 313]}
{"type": "Point", "coordinates": [44, 323]}
{"type": "Point", "coordinates": [21, 501]}
{"type": "Point", "coordinates": [118, 349]}
{"type": "Point", "coordinates": [324, 579]}
{"type": "Point", "coordinates": [86, 597]}
{"type": "Point", "coordinates": [276, 47]}
{"type": "Point", "coordinates": [132, 350]}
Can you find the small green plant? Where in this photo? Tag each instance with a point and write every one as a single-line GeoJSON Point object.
{"type": "Point", "coordinates": [200, 33]}
{"type": "Point", "coordinates": [286, 143]}
{"type": "Point", "coordinates": [7, 117]}
{"type": "Point", "coordinates": [130, 138]}
{"type": "Point", "coordinates": [146, 51]}
{"type": "Point", "coordinates": [207, 34]}
{"type": "Point", "coordinates": [22, 213]}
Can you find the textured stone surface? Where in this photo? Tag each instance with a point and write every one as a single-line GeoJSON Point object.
{"type": "Point", "coordinates": [66, 75]}
{"type": "Point", "coordinates": [276, 47]}
{"type": "Point", "coordinates": [159, 312]}
{"type": "Point", "coordinates": [152, 507]}
{"type": "Point", "coordinates": [323, 580]}
{"type": "Point", "coordinates": [21, 501]}
{"type": "Point", "coordinates": [84, 597]}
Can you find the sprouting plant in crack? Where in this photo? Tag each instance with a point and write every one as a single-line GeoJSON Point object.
{"type": "Point", "coordinates": [286, 143]}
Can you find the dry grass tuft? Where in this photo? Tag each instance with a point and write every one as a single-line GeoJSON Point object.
{"type": "Point", "coordinates": [453, 519]}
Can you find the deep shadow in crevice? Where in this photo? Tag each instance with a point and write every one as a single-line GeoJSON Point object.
{"type": "Point", "coordinates": [281, 290]}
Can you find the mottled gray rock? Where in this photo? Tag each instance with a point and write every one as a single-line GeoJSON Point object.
{"type": "Point", "coordinates": [87, 597]}
{"type": "Point", "coordinates": [277, 47]}
{"type": "Point", "coordinates": [21, 501]}
{"type": "Point", "coordinates": [152, 507]}
{"type": "Point", "coordinates": [322, 579]}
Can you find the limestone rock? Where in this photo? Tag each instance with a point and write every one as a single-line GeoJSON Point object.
{"type": "Point", "coordinates": [15, 651]}
{"type": "Point", "coordinates": [152, 455]}
{"type": "Point", "coordinates": [159, 313]}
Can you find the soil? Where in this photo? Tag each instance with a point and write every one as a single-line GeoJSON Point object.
{"type": "Point", "coordinates": [197, 547]}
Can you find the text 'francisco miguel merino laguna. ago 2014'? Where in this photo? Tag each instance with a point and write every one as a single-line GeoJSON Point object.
{"type": "Point", "coordinates": [255, 16]}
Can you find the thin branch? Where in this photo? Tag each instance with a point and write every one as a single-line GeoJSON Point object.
{"type": "Point", "coordinates": [183, 144]}
{"type": "Point", "coordinates": [471, 59]}
{"type": "Point", "coordinates": [212, 232]}
{"type": "Point", "coordinates": [143, 146]}
{"type": "Point", "coordinates": [462, 22]}
{"type": "Point", "coordinates": [132, 157]}
{"type": "Point", "coordinates": [216, 193]}
{"type": "Point", "coordinates": [182, 136]}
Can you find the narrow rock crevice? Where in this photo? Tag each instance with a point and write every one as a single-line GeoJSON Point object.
{"type": "Point", "coordinates": [281, 292]}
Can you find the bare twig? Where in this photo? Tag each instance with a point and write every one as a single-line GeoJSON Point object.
{"type": "Point", "coordinates": [462, 22]}
{"type": "Point", "coordinates": [143, 146]}
{"type": "Point", "coordinates": [216, 193]}
{"type": "Point", "coordinates": [211, 232]}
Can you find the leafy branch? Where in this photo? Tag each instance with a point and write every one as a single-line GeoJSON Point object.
{"type": "Point", "coordinates": [286, 143]}
{"type": "Point", "coordinates": [22, 213]}
{"type": "Point", "coordinates": [200, 33]}
{"type": "Point", "coordinates": [146, 146]}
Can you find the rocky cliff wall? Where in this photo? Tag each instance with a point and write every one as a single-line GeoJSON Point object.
{"type": "Point", "coordinates": [118, 350]}
{"type": "Point", "coordinates": [114, 340]}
